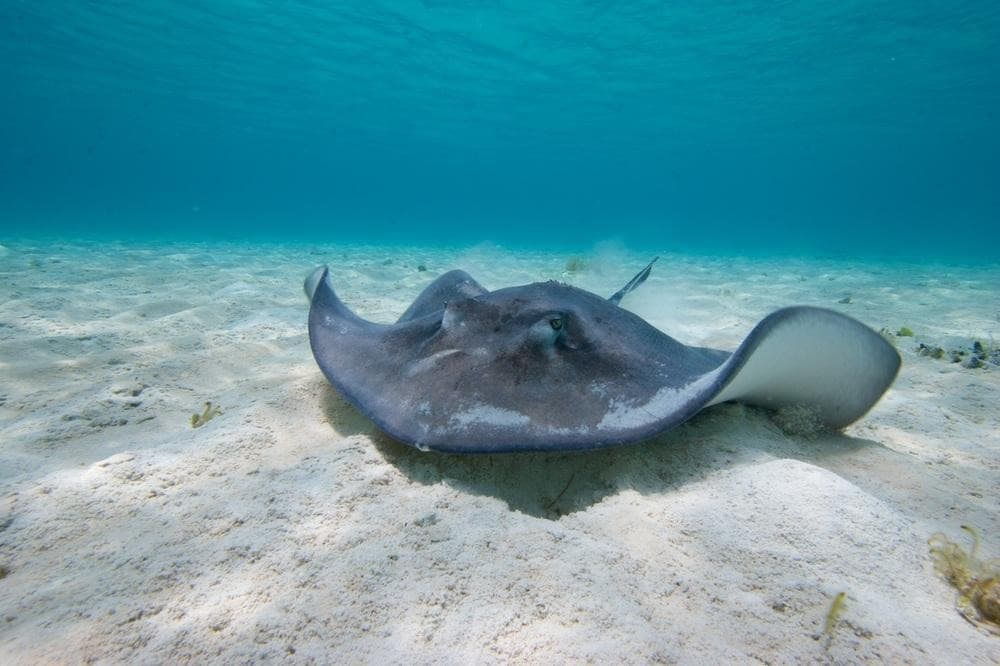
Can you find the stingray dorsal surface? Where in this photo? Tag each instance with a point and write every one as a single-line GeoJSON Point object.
{"type": "Point", "coordinates": [548, 366]}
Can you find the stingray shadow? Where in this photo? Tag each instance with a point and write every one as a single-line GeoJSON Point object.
{"type": "Point", "coordinates": [551, 485]}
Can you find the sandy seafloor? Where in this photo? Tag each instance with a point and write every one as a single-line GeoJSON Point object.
{"type": "Point", "coordinates": [288, 529]}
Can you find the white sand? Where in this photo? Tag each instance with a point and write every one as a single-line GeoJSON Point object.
{"type": "Point", "coordinates": [289, 529]}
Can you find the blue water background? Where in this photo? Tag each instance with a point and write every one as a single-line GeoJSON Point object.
{"type": "Point", "coordinates": [823, 128]}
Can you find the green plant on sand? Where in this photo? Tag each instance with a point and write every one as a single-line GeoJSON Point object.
{"type": "Point", "coordinates": [198, 420]}
{"type": "Point", "coordinates": [977, 581]}
{"type": "Point", "coordinates": [905, 332]}
{"type": "Point", "coordinates": [888, 336]}
{"type": "Point", "coordinates": [575, 265]}
{"type": "Point", "coordinates": [833, 616]}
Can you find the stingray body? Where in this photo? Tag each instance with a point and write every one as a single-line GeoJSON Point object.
{"type": "Point", "coordinates": [547, 367]}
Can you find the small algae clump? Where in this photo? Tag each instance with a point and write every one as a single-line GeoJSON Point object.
{"type": "Point", "coordinates": [982, 354]}
{"type": "Point", "coordinates": [905, 332]}
{"type": "Point", "coordinates": [833, 616]}
{"type": "Point", "coordinates": [976, 355]}
{"type": "Point", "coordinates": [930, 350]}
{"type": "Point", "coordinates": [977, 582]}
{"type": "Point", "coordinates": [575, 265]}
{"type": "Point", "coordinates": [888, 336]}
{"type": "Point", "coordinates": [198, 420]}
{"type": "Point", "coordinates": [798, 421]}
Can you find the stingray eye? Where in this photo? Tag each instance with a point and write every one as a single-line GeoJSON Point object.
{"type": "Point", "coordinates": [549, 330]}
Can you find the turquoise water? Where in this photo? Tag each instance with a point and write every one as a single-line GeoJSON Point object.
{"type": "Point", "coordinates": [836, 128]}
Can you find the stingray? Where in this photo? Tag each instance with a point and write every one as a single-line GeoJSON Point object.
{"type": "Point", "coordinates": [551, 367]}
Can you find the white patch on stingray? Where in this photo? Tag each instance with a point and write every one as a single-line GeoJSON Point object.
{"type": "Point", "coordinates": [626, 415]}
{"type": "Point", "coordinates": [425, 364]}
{"type": "Point", "coordinates": [562, 431]}
{"type": "Point", "coordinates": [600, 389]}
{"type": "Point", "coordinates": [622, 415]}
{"type": "Point", "coordinates": [487, 415]}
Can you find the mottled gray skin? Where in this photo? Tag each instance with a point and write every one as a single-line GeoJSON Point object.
{"type": "Point", "coordinates": [544, 366]}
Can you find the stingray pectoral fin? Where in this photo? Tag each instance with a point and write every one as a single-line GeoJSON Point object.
{"type": "Point", "coordinates": [326, 308]}
{"type": "Point", "coordinates": [315, 277]}
{"type": "Point", "coordinates": [452, 286]}
{"type": "Point", "coordinates": [365, 361]}
{"type": "Point", "coordinates": [819, 359]}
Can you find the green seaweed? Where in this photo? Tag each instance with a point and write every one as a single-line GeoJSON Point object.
{"type": "Point", "coordinates": [575, 265]}
{"type": "Point", "coordinates": [888, 336]}
{"type": "Point", "coordinates": [930, 350]}
{"type": "Point", "coordinates": [977, 581]}
{"type": "Point", "coordinates": [833, 616]}
{"type": "Point", "coordinates": [905, 332]}
{"type": "Point", "coordinates": [198, 420]}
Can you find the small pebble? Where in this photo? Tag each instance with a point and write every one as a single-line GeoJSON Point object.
{"type": "Point", "coordinates": [426, 520]}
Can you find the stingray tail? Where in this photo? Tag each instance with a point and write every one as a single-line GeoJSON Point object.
{"type": "Point", "coordinates": [633, 283]}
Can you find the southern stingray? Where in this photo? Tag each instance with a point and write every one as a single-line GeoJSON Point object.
{"type": "Point", "coordinates": [549, 367]}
